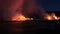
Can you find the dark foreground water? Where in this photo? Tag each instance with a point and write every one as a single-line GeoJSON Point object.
{"type": "Point", "coordinates": [29, 27]}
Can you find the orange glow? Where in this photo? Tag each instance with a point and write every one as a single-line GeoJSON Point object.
{"type": "Point", "coordinates": [20, 17]}
{"type": "Point", "coordinates": [54, 16]}
{"type": "Point", "coordinates": [51, 17]}
{"type": "Point", "coordinates": [48, 17]}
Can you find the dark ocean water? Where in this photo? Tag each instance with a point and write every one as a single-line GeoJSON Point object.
{"type": "Point", "coordinates": [30, 27]}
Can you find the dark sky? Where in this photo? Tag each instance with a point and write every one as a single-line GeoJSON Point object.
{"type": "Point", "coordinates": [51, 5]}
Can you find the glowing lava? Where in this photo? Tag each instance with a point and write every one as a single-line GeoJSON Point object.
{"type": "Point", "coordinates": [20, 17]}
{"type": "Point", "coordinates": [48, 17]}
{"type": "Point", "coordinates": [51, 17]}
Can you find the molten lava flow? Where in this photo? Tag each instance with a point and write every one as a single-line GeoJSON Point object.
{"type": "Point", "coordinates": [20, 17]}
{"type": "Point", "coordinates": [48, 17]}
{"type": "Point", "coordinates": [51, 17]}
{"type": "Point", "coordinates": [54, 16]}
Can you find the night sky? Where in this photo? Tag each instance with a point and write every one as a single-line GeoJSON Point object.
{"type": "Point", "coordinates": [51, 5]}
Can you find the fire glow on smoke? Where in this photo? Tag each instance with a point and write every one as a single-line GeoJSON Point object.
{"type": "Point", "coordinates": [20, 17]}
{"type": "Point", "coordinates": [51, 16]}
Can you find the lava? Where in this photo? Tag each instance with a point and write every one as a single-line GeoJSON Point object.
{"type": "Point", "coordinates": [51, 16]}
{"type": "Point", "coordinates": [20, 17]}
